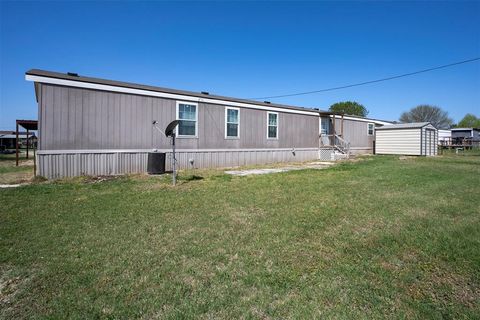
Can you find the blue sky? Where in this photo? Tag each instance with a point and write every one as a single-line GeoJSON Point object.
{"type": "Point", "coordinates": [250, 49]}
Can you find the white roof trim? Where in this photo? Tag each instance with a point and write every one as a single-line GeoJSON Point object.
{"type": "Point", "coordinates": [103, 87]}
{"type": "Point", "coordinates": [364, 120]}
{"type": "Point", "coordinates": [413, 125]}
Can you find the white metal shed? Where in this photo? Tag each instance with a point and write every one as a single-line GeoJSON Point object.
{"type": "Point", "coordinates": [418, 139]}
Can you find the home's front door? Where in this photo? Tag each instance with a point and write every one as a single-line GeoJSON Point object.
{"type": "Point", "coordinates": [325, 130]}
{"type": "Point", "coordinates": [325, 126]}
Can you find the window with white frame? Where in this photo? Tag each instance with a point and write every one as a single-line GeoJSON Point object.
{"type": "Point", "coordinates": [232, 122]}
{"type": "Point", "coordinates": [370, 129]}
{"type": "Point", "coordinates": [187, 113]}
{"type": "Point", "coordinates": [272, 125]}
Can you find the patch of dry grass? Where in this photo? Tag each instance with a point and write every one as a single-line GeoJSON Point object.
{"type": "Point", "coordinates": [11, 174]}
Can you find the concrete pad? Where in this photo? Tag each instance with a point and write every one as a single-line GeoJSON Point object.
{"type": "Point", "coordinates": [311, 165]}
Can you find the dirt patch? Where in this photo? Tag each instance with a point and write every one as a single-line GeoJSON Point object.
{"type": "Point", "coordinates": [8, 289]}
{"type": "Point", "coordinates": [26, 163]}
{"type": "Point", "coordinates": [447, 287]}
{"type": "Point", "coordinates": [245, 216]}
{"type": "Point", "coordinates": [417, 212]}
{"type": "Point", "coordinates": [396, 264]}
{"type": "Point", "coordinates": [436, 283]}
{"type": "Point", "coordinates": [151, 186]}
{"type": "Point", "coordinates": [16, 177]}
{"type": "Point", "coordinates": [86, 179]}
{"type": "Point", "coordinates": [10, 286]}
{"type": "Point", "coordinates": [99, 179]}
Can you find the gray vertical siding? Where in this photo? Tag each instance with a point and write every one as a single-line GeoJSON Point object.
{"type": "Point", "coordinates": [76, 119]}
{"type": "Point", "coordinates": [90, 132]}
{"type": "Point", "coordinates": [355, 132]}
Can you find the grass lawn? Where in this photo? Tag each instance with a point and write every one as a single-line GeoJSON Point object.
{"type": "Point", "coordinates": [376, 238]}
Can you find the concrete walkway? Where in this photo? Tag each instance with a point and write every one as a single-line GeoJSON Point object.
{"type": "Point", "coordinates": [310, 165]}
{"type": "Point", "coordinates": [10, 185]}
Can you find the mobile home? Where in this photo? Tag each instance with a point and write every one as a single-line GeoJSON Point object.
{"type": "Point", "coordinates": [91, 126]}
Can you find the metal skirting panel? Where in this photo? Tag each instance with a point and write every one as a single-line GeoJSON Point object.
{"type": "Point", "coordinates": [54, 166]}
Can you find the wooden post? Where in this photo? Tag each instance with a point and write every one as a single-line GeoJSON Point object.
{"type": "Point", "coordinates": [333, 124]}
{"type": "Point", "coordinates": [333, 127]}
{"type": "Point", "coordinates": [34, 162]}
{"type": "Point", "coordinates": [16, 147]}
{"type": "Point", "coordinates": [27, 142]}
{"type": "Point", "coordinates": [342, 127]}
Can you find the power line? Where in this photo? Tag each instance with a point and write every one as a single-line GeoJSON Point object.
{"type": "Point", "coordinates": [369, 82]}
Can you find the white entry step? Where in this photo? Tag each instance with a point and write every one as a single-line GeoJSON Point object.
{"type": "Point", "coordinates": [331, 155]}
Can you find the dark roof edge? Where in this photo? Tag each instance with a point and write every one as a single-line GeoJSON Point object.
{"type": "Point", "coordinates": [64, 76]}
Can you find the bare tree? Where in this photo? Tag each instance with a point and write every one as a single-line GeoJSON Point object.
{"type": "Point", "coordinates": [427, 113]}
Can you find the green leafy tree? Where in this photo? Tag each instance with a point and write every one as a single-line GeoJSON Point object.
{"type": "Point", "coordinates": [427, 113]}
{"type": "Point", "coordinates": [349, 107]}
{"type": "Point", "coordinates": [469, 121]}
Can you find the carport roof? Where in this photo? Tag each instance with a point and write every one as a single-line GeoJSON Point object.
{"type": "Point", "coordinates": [28, 124]}
{"type": "Point", "coordinates": [464, 129]}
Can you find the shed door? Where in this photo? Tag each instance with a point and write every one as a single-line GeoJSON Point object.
{"type": "Point", "coordinates": [429, 142]}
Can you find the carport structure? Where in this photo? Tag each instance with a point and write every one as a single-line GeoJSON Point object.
{"type": "Point", "coordinates": [29, 125]}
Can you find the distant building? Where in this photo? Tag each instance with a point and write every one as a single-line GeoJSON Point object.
{"type": "Point", "coordinates": [8, 138]}
{"type": "Point", "coordinates": [466, 136]}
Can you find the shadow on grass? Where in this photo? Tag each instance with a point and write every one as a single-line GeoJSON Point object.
{"type": "Point", "coordinates": [191, 177]}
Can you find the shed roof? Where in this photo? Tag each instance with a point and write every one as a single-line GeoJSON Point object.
{"type": "Point", "coordinates": [413, 125]}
